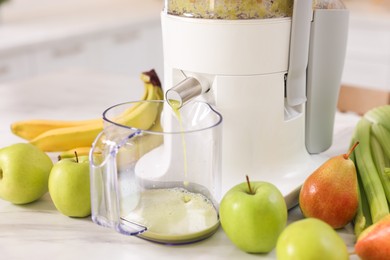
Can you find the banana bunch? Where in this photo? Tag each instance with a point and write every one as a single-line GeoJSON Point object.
{"type": "Point", "coordinates": [69, 136]}
{"type": "Point", "coordinates": [372, 160]}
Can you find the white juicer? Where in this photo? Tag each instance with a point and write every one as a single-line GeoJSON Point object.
{"type": "Point", "coordinates": [274, 80]}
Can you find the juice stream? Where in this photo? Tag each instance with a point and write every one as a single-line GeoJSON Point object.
{"type": "Point", "coordinates": [176, 109]}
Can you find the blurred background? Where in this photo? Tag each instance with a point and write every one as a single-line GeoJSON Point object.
{"type": "Point", "coordinates": [124, 37]}
{"type": "Point", "coordinates": [113, 36]}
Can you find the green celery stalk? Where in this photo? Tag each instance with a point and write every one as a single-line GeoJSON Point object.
{"type": "Point", "coordinates": [381, 162]}
{"type": "Point", "coordinates": [367, 171]}
{"type": "Point", "coordinates": [383, 137]}
{"type": "Point", "coordinates": [362, 219]}
{"type": "Point", "coordinates": [379, 115]}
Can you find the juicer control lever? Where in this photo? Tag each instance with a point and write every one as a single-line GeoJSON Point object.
{"type": "Point", "coordinates": [184, 91]}
{"type": "Point", "coordinates": [299, 52]}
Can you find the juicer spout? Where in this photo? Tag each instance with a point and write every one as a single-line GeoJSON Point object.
{"type": "Point", "coordinates": [185, 91]}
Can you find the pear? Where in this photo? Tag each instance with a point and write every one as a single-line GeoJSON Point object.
{"type": "Point", "coordinates": [330, 193]}
{"type": "Point", "coordinates": [374, 242]}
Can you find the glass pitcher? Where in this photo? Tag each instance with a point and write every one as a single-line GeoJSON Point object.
{"type": "Point", "coordinates": [161, 183]}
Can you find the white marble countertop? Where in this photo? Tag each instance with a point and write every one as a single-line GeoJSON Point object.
{"type": "Point", "coordinates": [38, 231]}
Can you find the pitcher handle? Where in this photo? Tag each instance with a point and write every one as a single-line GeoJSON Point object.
{"type": "Point", "coordinates": [105, 198]}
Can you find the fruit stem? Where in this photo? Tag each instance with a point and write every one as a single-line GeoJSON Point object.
{"type": "Point", "coordinates": [249, 185]}
{"type": "Point", "coordinates": [152, 77]}
{"type": "Point", "coordinates": [346, 156]}
{"type": "Point", "coordinates": [77, 157]}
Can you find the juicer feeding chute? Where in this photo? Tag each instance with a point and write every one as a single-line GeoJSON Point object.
{"type": "Point", "coordinates": [272, 69]}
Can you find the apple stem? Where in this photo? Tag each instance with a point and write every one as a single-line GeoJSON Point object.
{"type": "Point", "coordinates": [346, 156]}
{"type": "Point", "coordinates": [59, 158]}
{"type": "Point", "coordinates": [77, 157]}
{"type": "Point", "coordinates": [249, 185]}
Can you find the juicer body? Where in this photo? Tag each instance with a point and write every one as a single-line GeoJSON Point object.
{"type": "Point", "coordinates": [246, 64]}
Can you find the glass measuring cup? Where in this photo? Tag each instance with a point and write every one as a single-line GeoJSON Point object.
{"type": "Point", "coordinates": [161, 183]}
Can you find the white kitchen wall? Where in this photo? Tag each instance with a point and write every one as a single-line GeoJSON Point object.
{"type": "Point", "coordinates": [112, 36]}
{"type": "Point", "coordinates": [22, 10]}
{"type": "Point", "coordinates": [118, 37]}
{"type": "Point", "coordinates": [367, 61]}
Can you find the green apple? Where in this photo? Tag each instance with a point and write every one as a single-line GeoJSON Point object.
{"type": "Point", "coordinates": [69, 186]}
{"type": "Point", "coordinates": [24, 173]}
{"type": "Point", "coordinates": [310, 238]}
{"type": "Point", "coordinates": [253, 215]}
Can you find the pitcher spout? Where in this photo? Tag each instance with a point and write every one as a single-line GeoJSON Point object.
{"type": "Point", "coordinates": [109, 186]}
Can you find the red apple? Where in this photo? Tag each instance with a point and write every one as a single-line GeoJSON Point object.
{"type": "Point", "coordinates": [374, 242]}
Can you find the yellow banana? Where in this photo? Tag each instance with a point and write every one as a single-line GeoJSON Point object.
{"type": "Point", "coordinates": [30, 129]}
{"type": "Point", "coordinates": [81, 151]}
{"type": "Point", "coordinates": [142, 116]}
{"type": "Point", "coordinates": [67, 138]}
{"type": "Point", "coordinates": [141, 145]}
